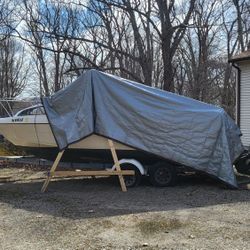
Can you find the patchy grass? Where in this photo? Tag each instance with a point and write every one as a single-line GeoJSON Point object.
{"type": "Point", "coordinates": [8, 149]}
{"type": "Point", "coordinates": [159, 225]}
{"type": "Point", "coordinates": [103, 223]}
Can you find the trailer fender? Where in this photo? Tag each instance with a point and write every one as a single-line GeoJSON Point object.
{"type": "Point", "coordinates": [134, 162]}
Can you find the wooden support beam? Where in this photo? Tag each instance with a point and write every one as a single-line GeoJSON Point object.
{"type": "Point", "coordinates": [117, 165]}
{"type": "Point", "coordinates": [91, 173]}
{"type": "Point", "coordinates": [52, 170]}
{"type": "Point", "coordinates": [53, 173]}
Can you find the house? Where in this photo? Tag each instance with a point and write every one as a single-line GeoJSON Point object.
{"type": "Point", "coordinates": [242, 63]}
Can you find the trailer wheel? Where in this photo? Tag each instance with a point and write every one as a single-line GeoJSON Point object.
{"type": "Point", "coordinates": [243, 165]}
{"type": "Point", "coordinates": [131, 180]}
{"type": "Point", "coordinates": [162, 174]}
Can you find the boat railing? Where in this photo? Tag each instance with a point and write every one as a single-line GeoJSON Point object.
{"type": "Point", "coordinates": [9, 107]}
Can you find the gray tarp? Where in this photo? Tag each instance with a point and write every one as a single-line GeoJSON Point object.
{"type": "Point", "coordinates": [175, 127]}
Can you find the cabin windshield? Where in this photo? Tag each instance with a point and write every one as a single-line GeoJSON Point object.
{"type": "Point", "coordinates": [32, 111]}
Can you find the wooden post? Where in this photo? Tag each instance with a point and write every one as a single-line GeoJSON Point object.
{"type": "Point", "coordinates": [117, 165]}
{"type": "Point", "coordinates": [52, 170]}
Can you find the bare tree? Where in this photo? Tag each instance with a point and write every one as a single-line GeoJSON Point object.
{"type": "Point", "coordinates": [145, 21]}
{"type": "Point", "coordinates": [49, 51]}
{"type": "Point", "coordinates": [239, 6]}
{"type": "Point", "coordinates": [229, 34]}
{"type": "Point", "coordinates": [180, 46]}
{"type": "Point", "coordinates": [171, 33]}
{"type": "Point", "coordinates": [5, 19]}
{"type": "Point", "coordinates": [197, 51]}
{"type": "Point", "coordinates": [13, 71]}
{"type": "Point", "coordinates": [13, 68]}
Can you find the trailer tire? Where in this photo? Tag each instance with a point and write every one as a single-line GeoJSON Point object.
{"type": "Point", "coordinates": [131, 180]}
{"type": "Point", "coordinates": [162, 174]}
{"type": "Point", "coordinates": [243, 165]}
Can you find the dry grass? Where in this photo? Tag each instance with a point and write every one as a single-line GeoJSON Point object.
{"type": "Point", "coordinates": [158, 225]}
{"type": "Point", "coordinates": [8, 149]}
{"type": "Point", "coordinates": [4, 151]}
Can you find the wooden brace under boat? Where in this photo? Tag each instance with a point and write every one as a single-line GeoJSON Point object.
{"type": "Point", "coordinates": [117, 170]}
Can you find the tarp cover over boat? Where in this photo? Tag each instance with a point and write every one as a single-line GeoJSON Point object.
{"type": "Point", "coordinates": [171, 126]}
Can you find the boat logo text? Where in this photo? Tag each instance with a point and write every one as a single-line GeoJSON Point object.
{"type": "Point", "coordinates": [17, 120]}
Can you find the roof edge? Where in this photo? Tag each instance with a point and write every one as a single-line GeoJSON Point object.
{"type": "Point", "coordinates": [231, 60]}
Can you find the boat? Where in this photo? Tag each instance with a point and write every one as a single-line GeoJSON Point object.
{"type": "Point", "coordinates": [29, 129]}
{"type": "Point", "coordinates": [155, 127]}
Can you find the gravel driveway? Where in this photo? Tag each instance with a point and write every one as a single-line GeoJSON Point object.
{"type": "Point", "coordinates": [94, 214]}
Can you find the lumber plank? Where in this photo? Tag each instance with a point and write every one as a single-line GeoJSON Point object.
{"type": "Point", "coordinates": [117, 165]}
{"type": "Point", "coordinates": [52, 170]}
{"type": "Point", "coordinates": [91, 173]}
{"type": "Point", "coordinates": [5, 178]}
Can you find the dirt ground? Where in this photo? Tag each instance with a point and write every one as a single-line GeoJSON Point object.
{"type": "Point", "coordinates": [197, 213]}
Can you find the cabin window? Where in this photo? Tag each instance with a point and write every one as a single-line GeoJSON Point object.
{"type": "Point", "coordinates": [38, 111]}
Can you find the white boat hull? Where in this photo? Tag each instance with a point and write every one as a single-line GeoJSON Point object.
{"type": "Point", "coordinates": [35, 131]}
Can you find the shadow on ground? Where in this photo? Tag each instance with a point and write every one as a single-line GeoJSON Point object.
{"type": "Point", "coordinates": [101, 197]}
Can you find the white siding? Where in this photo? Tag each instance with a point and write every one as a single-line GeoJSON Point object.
{"type": "Point", "coordinates": [245, 102]}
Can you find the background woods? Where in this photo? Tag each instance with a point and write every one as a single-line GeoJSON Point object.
{"type": "Point", "coordinates": [179, 46]}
